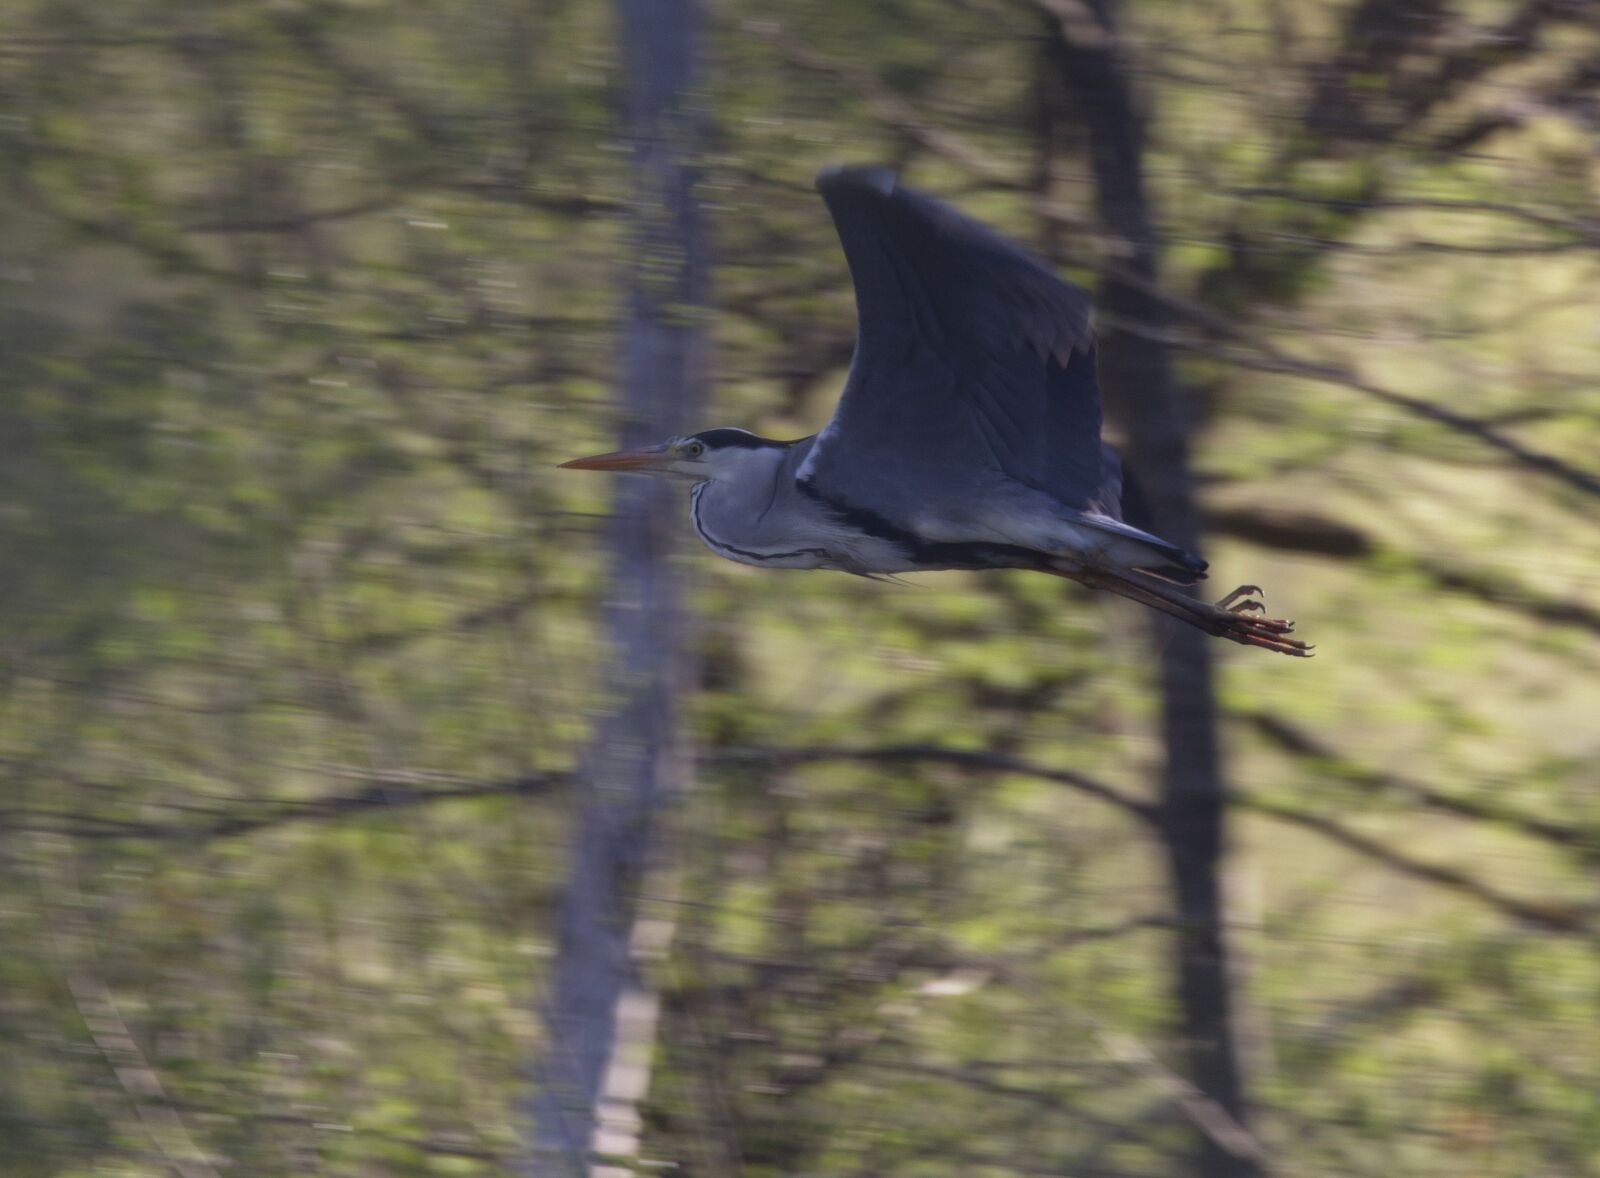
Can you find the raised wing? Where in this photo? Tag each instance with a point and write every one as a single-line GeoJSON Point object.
{"type": "Point", "coordinates": [974, 367]}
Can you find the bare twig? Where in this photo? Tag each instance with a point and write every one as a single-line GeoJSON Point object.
{"type": "Point", "coordinates": [97, 1006]}
{"type": "Point", "coordinates": [1204, 1113]}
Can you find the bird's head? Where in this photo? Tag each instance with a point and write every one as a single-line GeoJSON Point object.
{"type": "Point", "coordinates": [706, 456]}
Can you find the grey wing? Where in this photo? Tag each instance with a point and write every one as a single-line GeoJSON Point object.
{"type": "Point", "coordinates": [974, 367]}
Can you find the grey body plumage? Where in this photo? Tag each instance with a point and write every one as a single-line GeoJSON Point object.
{"type": "Point", "coordinates": [967, 436]}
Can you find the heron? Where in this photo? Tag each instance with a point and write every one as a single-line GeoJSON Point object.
{"type": "Point", "coordinates": [968, 434]}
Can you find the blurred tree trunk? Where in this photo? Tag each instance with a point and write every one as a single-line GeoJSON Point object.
{"type": "Point", "coordinates": [599, 1017]}
{"type": "Point", "coordinates": [1136, 371]}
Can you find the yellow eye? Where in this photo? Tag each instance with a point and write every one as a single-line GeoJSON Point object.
{"type": "Point", "coordinates": [695, 449]}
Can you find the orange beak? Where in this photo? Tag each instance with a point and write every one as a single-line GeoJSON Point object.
{"type": "Point", "coordinates": [651, 458]}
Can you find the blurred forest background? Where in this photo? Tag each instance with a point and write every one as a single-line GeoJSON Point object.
{"type": "Point", "coordinates": [312, 695]}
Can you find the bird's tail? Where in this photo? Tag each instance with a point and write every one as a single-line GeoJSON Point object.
{"type": "Point", "coordinates": [1132, 548]}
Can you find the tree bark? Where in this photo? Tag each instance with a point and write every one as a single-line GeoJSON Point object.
{"type": "Point", "coordinates": [598, 1014]}
{"type": "Point", "coordinates": [1137, 374]}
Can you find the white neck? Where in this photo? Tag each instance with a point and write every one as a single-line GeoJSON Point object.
{"type": "Point", "coordinates": [750, 511]}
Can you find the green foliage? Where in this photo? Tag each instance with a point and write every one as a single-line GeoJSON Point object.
{"type": "Point", "coordinates": [301, 303]}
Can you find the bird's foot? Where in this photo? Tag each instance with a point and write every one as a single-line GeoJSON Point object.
{"type": "Point", "coordinates": [1241, 616]}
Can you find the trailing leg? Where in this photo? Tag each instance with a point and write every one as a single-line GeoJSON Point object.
{"type": "Point", "coordinates": [1239, 617]}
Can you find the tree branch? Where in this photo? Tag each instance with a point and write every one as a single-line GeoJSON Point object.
{"type": "Point", "coordinates": [1583, 229]}
{"type": "Point", "coordinates": [1551, 917]}
{"type": "Point", "coordinates": [1268, 357]}
{"type": "Point", "coordinates": [890, 109]}
{"type": "Point", "coordinates": [1291, 531]}
{"type": "Point", "coordinates": [378, 794]}
{"type": "Point", "coordinates": [1298, 743]}
{"type": "Point", "coordinates": [886, 105]}
{"type": "Point", "coordinates": [963, 758]}
{"type": "Point", "coordinates": [403, 791]}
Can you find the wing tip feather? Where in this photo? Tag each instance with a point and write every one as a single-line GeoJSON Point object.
{"type": "Point", "coordinates": [874, 177]}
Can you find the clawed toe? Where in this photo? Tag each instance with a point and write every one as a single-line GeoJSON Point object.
{"type": "Point", "coordinates": [1244, 625]}
{"type": "Point", "coordinates": [1272, 634]}
{"type": "Point", "coordinates": [1288, 646]}
{"type": "Point", "coordinates": [1233, 604]}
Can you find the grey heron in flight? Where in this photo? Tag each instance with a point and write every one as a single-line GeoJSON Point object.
{"type": "Point", "coordinates": [968, 435]}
